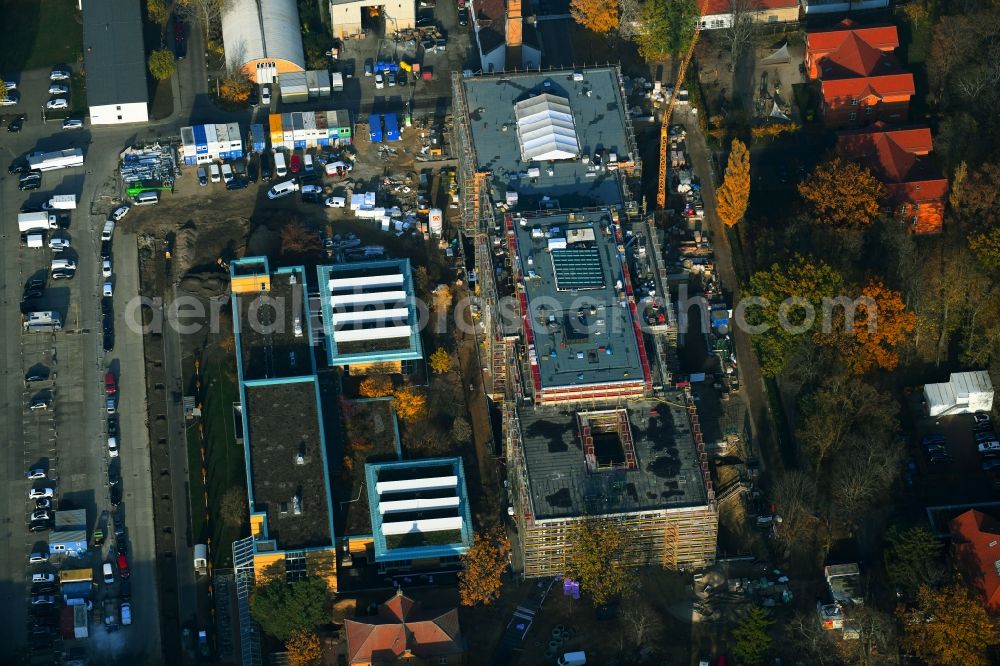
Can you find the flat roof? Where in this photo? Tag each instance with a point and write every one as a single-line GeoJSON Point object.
{"type": "Point", "coordinates": [369, 312]}
{"type": "Point", "coordinates": [419, 508]}
{"type": "Point", "coordinates": [287, 460]}
{"type": "Point", "coordinates": [658, 469]}
{"type": "Point", "coordinates": [113, 52]}
{"type": "Point", "coordinates": [272, 345]}
{"type": "Point", "coordinates": [580, 328]}
{"type": "Point", "coordinates": [598, 108]}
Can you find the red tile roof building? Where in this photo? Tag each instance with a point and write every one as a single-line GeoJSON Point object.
{"type": "Point", "coordinates": [402, 630]}
{"type": "Point", "coordinates": [900, 159]}
{"type": "Point", "coordinates": [976, 539]}
{"type": "Point", "coordinates": [860, 78]}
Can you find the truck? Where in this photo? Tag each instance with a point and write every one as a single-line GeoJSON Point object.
{"type": "Point", "coordinates": [61, 202]}
{"type": "Point", "coordinates": [42, 322]}
{"type": "Point", "coordinates": [201, 559]}
{"type": "Point", "coordinates": [111, 614]}
{"type": "Point", "coordinates": [33, 221]}
{"type": "Point", "coordinates": [59, 159]}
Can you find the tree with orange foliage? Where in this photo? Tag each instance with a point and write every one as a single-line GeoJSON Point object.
{"type": "Point", "coordinates": [235, 89]}
{"type": "Point", "coordinates": [375, 386]}
{"type": "Point", "coordinates": [409, 404]}
{"type": "Point", "coordinates": [303, 649]}
{"type": "Point", "coordinates": [948, 626]}
{"type": "Point", "coordinates": [601, 16]}
{"type": "Point", "coordinates": [842, 194]}
{"type": "Point", "coordinates": [481, 580]}
{"type": "Point", "coordinates": [734, 194]}
{"type": "Point", "coordinates": [880, 324]}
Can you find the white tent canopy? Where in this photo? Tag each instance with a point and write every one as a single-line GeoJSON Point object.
{"type": "Point", "coordinates": [963, 393]}
{"type": "Point", "coordinates": [545, 129]}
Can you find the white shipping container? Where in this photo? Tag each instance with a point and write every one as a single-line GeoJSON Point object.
{"type": "Point", "coordinates": [436, 221]}
{"type": "Point", "coordinates": [211, 139]}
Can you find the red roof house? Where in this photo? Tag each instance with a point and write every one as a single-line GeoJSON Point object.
{"type": "Point", "coordinates": [976, 539]}
{"type": "Point", "coordinates": [403, 630]}
{"type": "Point", "coordinates": [860, 79]}
{"type": "Point", "coordinates": [900, 159]}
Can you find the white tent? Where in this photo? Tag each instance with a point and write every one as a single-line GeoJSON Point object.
{"type": "Point", "coordinates": [777, 113]}
{"type": "Point", "coordinates": [778, 56]}
{"type": "Point", "coordinates": [963, 393]}
{"type": "Point", "coordinates": [545, 129]}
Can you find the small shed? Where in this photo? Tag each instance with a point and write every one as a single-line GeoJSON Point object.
{"type": "Point", "coordinates": [963, 393]}
{"type": "Point", "coordinates": [318, 83]}
{"type": "Point", "coordinates": [293, 87]}
{"type": "Point", "coordinates": [68, 542]}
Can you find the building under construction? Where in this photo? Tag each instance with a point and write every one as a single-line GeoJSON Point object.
{"type": "Point", "coordinates": [548, 162]}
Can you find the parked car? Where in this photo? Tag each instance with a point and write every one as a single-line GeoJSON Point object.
{"type": "Point", "coordinates": [43, 503]}
{"type": "Point", "coordinates": [38, 558]}
{"type": "Point", "coordinates": [39, 526]}
{"type": "Point", "coordinates": [112, 447]}
{"type": "Point", "coordinates": [237, 184]}
{"type": "Point", "coordinates": [43, 578]}
{"type": "Point", "coordinates": [15, 125]}
{"type": "Point", "coordinates": [109, 573]}
{"type": "Point", "coordinates": [11, 99]}
{"type": "Point", "coordinates": [981, 417]}
{"type": "Point", "coordinates": [123, 566]}
{"type": "Point", "coordinates": [312, 189]}
{"type": "Point", "coordinates": [118, 213]}
{"type": "Point", "coordinates": [985, 436]}
{"type": "Point", "coordinates": [19, 165]}
{"type": "Point", "coordinates": [991, 446]}
{"type": "Point", "coordinates": [296, 163]}
{"type": "Point", "coordinates": [39, 403]}
{"type": "Point", "coordinates": [115, 492]}
{"type": "Point", "coordinates": [56, 104]}
{"type": "Point", "coordinates": [35, 473]}
{"type": "Point", "coordinates": [41, 515]}
{"type": "Point", "coordinates": [110, 405]}
{"type": "Point", "coordinates": [30, 181]}
{"type": "Point", "coordinates": [39, 599]}
{"type": "Point", "coordinates": [72, 123]}
{"type": "Point", "coordinates": [36, 493]}
{"type": "Point", "coordinates": [379, 81]}
{"type": "Point", "coordinates": [106, 268]}
{"type": "Point", "coordinates": [202, 176]}
{"type": "Point", "coordinates": [60, 74]}
{"type": "Point", "coordinates": [58, 89]}
{"type": "Point", "coordinates": [265, 94]}
{"type": "Point", "coordinates": [59, 243]}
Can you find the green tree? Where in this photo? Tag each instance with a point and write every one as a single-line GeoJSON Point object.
{"type": "Point", "coordinates": [912, 559]}
{"type": "Point", "coordinates": [667, 27]}
{"type": "Point", "coordinates": [282, 609]}
{"type": "Point", "coordinates": [786, 308]}
{"type": "Point", "coordinates": [162, 64]}
{"type": "Point", "coordinates": [595, 560]}
{"type": "Point", "coordinates": [753, 643]}
{"type": "Point", "coordinates": [3, 90]}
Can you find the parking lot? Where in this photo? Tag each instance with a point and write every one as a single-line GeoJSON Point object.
{"type": "Point", "coordinates": [945, 465]}
{"type": "Point", "coordinates": [64, 370]}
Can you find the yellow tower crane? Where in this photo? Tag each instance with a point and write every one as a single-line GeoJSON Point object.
{"type": "Point", "coordinates": [661, 188]}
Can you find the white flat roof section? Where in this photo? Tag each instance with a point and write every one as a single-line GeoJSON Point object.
{"type": "Point", "coordinates": [545, 129]}
{"type": "Point", "coordinates": [428, 525]}
{"type": "Point", "coordinates": [369, 315]}
{"type": "Point", "coordinates": [377, 333]}
{"type": "Point", "coordinates": [411, 485]}
{"type": "Point", "coordinates": [373, 297]}
{"type": "Point", "coordinates": [339, 284]}
{"type": "Point", "coordinates": [418, 505]}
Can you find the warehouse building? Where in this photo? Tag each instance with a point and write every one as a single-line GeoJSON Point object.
{"type": "Point", "coordinates": [114, 58]}
{"type": "Point", "coordinates": [369, 314]}
{"type": "Point", "coordinates": [302, 130]}
{"type": "Point", "coordinates": [547, 172]}
{"type": "Point", "coordinates": [351, 18]}
{"type": "Point", "coordinates": [201, 144]}
{"type": "Point", "coordinates": [284, 436]}
{"type": "Point", "coordinates": [263, 37]}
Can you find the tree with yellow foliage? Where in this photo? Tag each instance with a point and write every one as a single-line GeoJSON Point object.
{"type": "Point", "coordinates": [881, 323]}
{"type": "Point", "coordinates": [303, 649]}
{"type": "Point", "coordinates": [409, 404]}
{"type": "Point", "coordinates": [948, 626]}
{"type": "Point", "coordinates": [235, 89]}
{"type": "Point", "coordinates": [601, 16]}
{"type": "Point", "coordinates": [481, 580]}
{"type": "Point", "coordinates": [595, 560]}
{"type": "Point", "coordinates": [842, 195]}
{"type": "Point", "coordinates": [440, 361]}
{"type": "Point", "coordinates": [375, 386]}
{"type": "Point", "coordinates": [734, 195]}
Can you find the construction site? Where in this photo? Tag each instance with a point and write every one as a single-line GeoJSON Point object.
{"type": "Point", "coordinates": [593, 424]}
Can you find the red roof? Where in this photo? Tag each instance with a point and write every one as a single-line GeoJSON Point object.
{"type": "Point", "coordinates": [977, 547]}
{"type": "Point", "coordinates": [863, 87]}
{"type": "Point", "coordinates": [883, 38]}
{"type": "Point", "coordinates": [402, 626]}
{"type": "Point", "coordinates": [897, 157]}
{"type": "Point", "coordinates": [716, 7]}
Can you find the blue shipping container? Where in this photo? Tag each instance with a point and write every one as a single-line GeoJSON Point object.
{"type": "Point", "coordinates": [257, 137]}
{"type": "Point", "coordinates": [300, 143]}
{"type": "Point", "coordinates": [375, 127]}
{"type": "Point", "coordinates": [391, 127]}
{"type": "Point", "coordinates": [190, 160]}
{"type": "Point", "coordinates": [200, 139]}
{"type": "Point", "coordinates": [323, 141]}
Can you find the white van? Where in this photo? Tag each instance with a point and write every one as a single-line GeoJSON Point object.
{"type": "Point", "coordinates": [108, 231]}
{"type": "Point", "coordinates": [109, 574]}
{"type": "Point", "coordinates": [63, 264]}
{"type": "Point", "coordinates": [307, 160]}
{"type": "Point", "coordinates": [573, 659]}
{"type": "Point", "coordinates": [282, 189]}
{"type": "Point", "coordinates": [150, 198]}
{"type": "Point", "coordinates": [214, 174]}
{"type": "Point", "coordinates": [227, 173]}
{"type": "Point", "coordinates": [113, 447]}
{"type": "Point", "coordinates": [280, 169]}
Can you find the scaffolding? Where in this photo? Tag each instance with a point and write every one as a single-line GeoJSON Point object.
{"type": "Point", "coordinates": [243, 568]}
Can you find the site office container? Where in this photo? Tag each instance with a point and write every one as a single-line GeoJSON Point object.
{"type": "Point", "coordinates": [257, 138]}
{"type": "Point", "coordinates": [235, 137]}
{"type": "Point", "coordinates": [276, 131]}
{"type": "Point", "coordinates": [375, 128]}
{"type": "Point", "coordinates": [391, 127]}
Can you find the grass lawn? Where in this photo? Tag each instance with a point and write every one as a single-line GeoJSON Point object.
{"type": "Point", "coordinates": [196, 489]}
{"type": "Point", "coordinates": [39, 34]}
{"type": "Point", "coordinates": [224, 457]}
{"type": "Point", "coordinates": [917, 39]}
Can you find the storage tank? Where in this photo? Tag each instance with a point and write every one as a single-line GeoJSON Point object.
{"type": "Point", "coordinates": [436, 221]}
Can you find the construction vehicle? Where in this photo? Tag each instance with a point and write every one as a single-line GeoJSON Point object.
{"type": "Point", "coordinates": [661, 187]}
